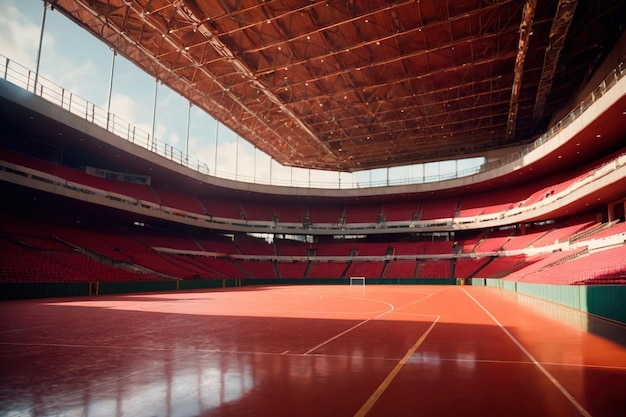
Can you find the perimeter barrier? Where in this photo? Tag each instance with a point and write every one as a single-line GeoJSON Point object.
{"type": "Point", "coordinates": [21, 290]}
{"type": "Point", "coordinates": [600, 300]}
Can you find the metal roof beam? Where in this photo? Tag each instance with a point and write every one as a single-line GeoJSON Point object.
{"type": "Point", "coordinates": [556, 41]}
{"type": "Point", "coordinates": [525, 30]}
{"type": "Point", "coordinates": [246, 72]}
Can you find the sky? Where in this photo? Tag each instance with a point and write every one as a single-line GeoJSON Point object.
{"type": "Point", "coordinates": [78, 62]}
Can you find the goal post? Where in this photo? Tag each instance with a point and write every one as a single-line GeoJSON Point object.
{"type": "Point", "coordinates": [357, 281]}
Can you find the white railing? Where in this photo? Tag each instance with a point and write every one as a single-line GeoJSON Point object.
{"type": "Point", "coordinates": [46, 89]}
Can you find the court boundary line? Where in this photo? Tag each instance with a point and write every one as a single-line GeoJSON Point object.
{"type": "Point", "coordinates": [371, 401]}
{"type": "Point", "coordinates": [543, 370]}
{"type": "Point", "coordinates": [383, 313]}
{"type": "Point", "coordinates": [338, 335]}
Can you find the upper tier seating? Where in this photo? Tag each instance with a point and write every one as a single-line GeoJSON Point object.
{"type": "Point", "coordinates": [253, 246]}
{"type": "Point", "coordinates": [365, 269]}
{"type": "Point", "coordinates": [434, 269]}
{"type": "Point", "coordinates": [335, 248]}
{"type": "Point", "coordinates": [401, 269]}
{"type": "Point", "coordinates": [363, 213]}
{"type": "Point", "coordinates": [401, 211]}
{"type": "Point", "coordinates": [494, 241]}
{"type": "Point", "coordinates": [371, 249]}
{"type": "Point", "coordinates": [478, 204]}
{"type": "Point", "coordinates": [330, 214]}
{"type": "Point", "coordinates": [444, 208]}
{"type": "Point", "coordinates": [528, 239]}
{"type": "Point", "coordinates": [221, 207]}
{"type": "Point", "coordinates": [137, 191]}
{"type": "Point", "coordinates": [287, 247]}
{"type": "Point", "coordinates": [230, 207]}
{"type": "Point", "coordinates": [469, 244]}
{"type": "Point", "coordinates": [215, 244]}
{"type": "Point", "coordinates": [259, 211]}
{"type": "Point", "coordinates": [258, 269]}
{"type": "Point", "coordinates": [179, 200]}
{"type": "Point", "coordinates": [327, 269]}
{"type": "Point", "coordinates": [500, 267]}
{"type": "Point", "coordinates": [291, 270]}
{"type": "Point", "coordinates": [563, 233]}
{"type": "Point", "coordinates": [158, 238]}
{"type": "Point", "coordinates": [221, 268]}
{"type": "Point", "coordinates": [467, 268]}
{"type": "Point", "coordinates": [422, 248]}
{"type": "Point", "coordinates": [612, 230]}
{"type": "Point", "coordinates": [292, 213]}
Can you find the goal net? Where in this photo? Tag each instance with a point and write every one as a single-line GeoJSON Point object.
{"type": "Point", "coordinates": [357, 281]}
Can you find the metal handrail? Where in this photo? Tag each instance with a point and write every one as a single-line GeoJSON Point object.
{"type": "Point", "coordinates": [53, 93]}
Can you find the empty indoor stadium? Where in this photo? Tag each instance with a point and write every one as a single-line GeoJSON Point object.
{"type": "Point", "coordinates": [313, 208]}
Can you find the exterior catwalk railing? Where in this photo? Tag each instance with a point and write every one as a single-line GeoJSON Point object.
{"type": "Point", "coordinates": [48, 90]}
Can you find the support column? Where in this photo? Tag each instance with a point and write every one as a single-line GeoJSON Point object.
{"type": "Point", "coordinates": [43, 25]}
{"type": "Point", "coordinates": [110, 87]}
{"type": "Point", "coordinates": [217, 130]}
{"type": "Point", "coordinates": [152, 144]}
{"type": "Point", "coordinates": [187, 135]}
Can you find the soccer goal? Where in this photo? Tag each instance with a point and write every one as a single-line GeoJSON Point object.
{"type": "Point", "coordinates": [357, 281]}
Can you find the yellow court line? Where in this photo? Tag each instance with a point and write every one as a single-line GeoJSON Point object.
{"type": "Point", "coordinates": [367, 406]}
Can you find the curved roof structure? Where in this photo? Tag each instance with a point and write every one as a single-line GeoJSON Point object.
{"type": "Point", "coordinates": [360, 84]}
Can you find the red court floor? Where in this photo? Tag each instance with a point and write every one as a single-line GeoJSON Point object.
{"type": "Point", "coordinates": [310, 351]}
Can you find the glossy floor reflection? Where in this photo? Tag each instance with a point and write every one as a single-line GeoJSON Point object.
{"type": "Point", "coordinates": [309, 351]}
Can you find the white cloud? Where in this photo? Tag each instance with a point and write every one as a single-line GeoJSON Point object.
{"type": "Point", "coordinates": [123, 107]}
{"type": "Point", "coordinates": [19, 37]}
{"type": "Point", "coordinates": [77, 64]}
{"type": "Point", "coordinates": [69, 72]}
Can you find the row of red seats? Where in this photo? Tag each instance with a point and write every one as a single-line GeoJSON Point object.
{"type": "Point", "coordinates": [425, 209]}
{"type": "Point", "coordinates": [28, 265]}
{"type": "Point", "coordinates": [21, 264]}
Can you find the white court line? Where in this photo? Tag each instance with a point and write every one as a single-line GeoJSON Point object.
{"type": "Point", "coordinates": [391, 309]}
{"type": "Point", "coordinates": [552, 379]}
{"type": "Point", "coordinates": [337, 336]}
{"type": "Point", "coordinates": [565, 365]}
